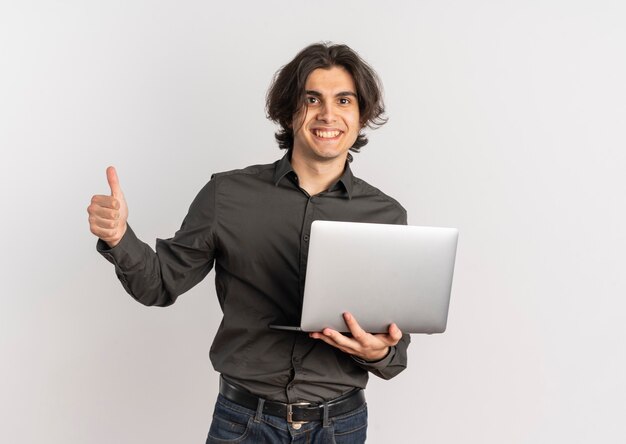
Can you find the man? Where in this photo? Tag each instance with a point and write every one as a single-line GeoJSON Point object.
{"type": "Point", "coordinates": [253, 226]}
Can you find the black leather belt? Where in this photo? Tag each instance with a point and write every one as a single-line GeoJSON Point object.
{"type": "Point", "coordinates": [296, 412]}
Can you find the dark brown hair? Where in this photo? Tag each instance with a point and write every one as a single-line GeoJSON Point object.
{"type": "Point", "coordinates": [286, 95]}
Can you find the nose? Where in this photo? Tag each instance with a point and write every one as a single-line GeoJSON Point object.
{"type": "Point", "coordinates": [326, 113]}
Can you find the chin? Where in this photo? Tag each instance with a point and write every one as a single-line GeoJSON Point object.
{"type": "Point", "coordinates": [329, 155]}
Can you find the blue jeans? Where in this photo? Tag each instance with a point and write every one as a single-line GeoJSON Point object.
{"type": "Point", "coordinates": [233, 423]}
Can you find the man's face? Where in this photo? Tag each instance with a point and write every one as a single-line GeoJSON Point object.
{"type": "Point", "coordinates": [328, 125]}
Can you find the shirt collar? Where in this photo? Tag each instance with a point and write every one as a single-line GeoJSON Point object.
{"type": "Point", "coordinates": [283, 167]}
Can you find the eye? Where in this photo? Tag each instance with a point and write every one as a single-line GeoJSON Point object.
{"type": "Point", "coordinates": [311, 100]}
{"type": "Point", "coordinates": [344, 101]}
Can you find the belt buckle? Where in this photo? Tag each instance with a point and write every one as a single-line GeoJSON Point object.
{"type": "Point", "coordinates": [295, 424]}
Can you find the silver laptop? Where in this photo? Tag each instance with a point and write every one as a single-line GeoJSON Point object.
{"type": "Point", "coordinates": [381, 274]}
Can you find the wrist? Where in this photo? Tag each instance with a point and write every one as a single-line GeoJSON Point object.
{"type": "Point", "coordinates": [378, 357]}
{"type": "Point", "coordinates": [117, 239]}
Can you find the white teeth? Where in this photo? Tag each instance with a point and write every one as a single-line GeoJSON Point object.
{"type": "Point", "coordinates": [327, 134]}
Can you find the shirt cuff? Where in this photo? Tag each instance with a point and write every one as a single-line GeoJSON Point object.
{"type": "Point", "coordinates": [128, 252]}
{"type": "Point", "coordinates": [376, 365]}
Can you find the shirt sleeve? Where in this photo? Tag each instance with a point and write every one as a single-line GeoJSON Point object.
{"type": "Point", "coordinates": [390, 365]}
{"type": "Point", "coordinates": [179, 263]}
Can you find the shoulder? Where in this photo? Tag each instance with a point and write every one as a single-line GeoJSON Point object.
{"type": "Point", "coordinates": [234, 180]}
{"type": "Point", "coordinates": [364, 190]}
{"type": "Point", "coordinates": [249, 171]}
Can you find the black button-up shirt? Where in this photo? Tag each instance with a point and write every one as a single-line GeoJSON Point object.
{"type": "Point", "coordinates": [253, 225]}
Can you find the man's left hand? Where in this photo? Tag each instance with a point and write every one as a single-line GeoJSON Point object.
{"type": "Point", "coordinates": [362, 344]}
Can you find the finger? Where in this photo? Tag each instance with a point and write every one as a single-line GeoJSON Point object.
{"type": "Point", "coordinates": [102, 223]}
{"type": "Point", "coordinates": [103, 233]}
{"type": "Point", "coordinates": [114, 183]}
{"type": "Point", "coordinates": [329, 338]}
{"type": "Point", "coordinates": [106, 201]}
{"type": "Point", "coordinates": [392, 337]}
{"type": "Point", "coordinates": [103, 212]}
{"type": "Point", "coordinates": [340, 339]}
{"type": "Point", "coordinates": [357, 332]}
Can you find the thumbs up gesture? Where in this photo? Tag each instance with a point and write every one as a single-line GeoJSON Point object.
{"type": "Point", "coordinates": [108, 214]}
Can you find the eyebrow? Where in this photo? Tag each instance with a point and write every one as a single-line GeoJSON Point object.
{"type": "Point", "coordinates": [339, 94]}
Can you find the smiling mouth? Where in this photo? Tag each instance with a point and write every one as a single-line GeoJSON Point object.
{"type": "Point", "coordinates": [329, 134]}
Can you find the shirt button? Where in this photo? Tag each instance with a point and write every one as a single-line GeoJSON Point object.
{"type": "Point", "coordinates": [296, 359]}
{"type": "Point", "coordinates": [306, 238]}
{"type": "Point", "coordinates": [313, 199]}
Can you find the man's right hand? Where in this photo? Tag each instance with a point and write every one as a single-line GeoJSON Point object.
{"type": "Point", "coordinates": [108, 214]}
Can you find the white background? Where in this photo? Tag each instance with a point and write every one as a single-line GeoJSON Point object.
{"type": "Point", "coordinates": [506, 121]}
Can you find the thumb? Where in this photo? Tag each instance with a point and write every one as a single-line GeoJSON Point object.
{"type": "Point", "coordinates": [114, 183]}
{"type": "Point", "coordinates": [395, 333]}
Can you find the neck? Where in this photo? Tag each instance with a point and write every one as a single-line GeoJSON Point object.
{"type": "Point", "coordinates": [316, 175]}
